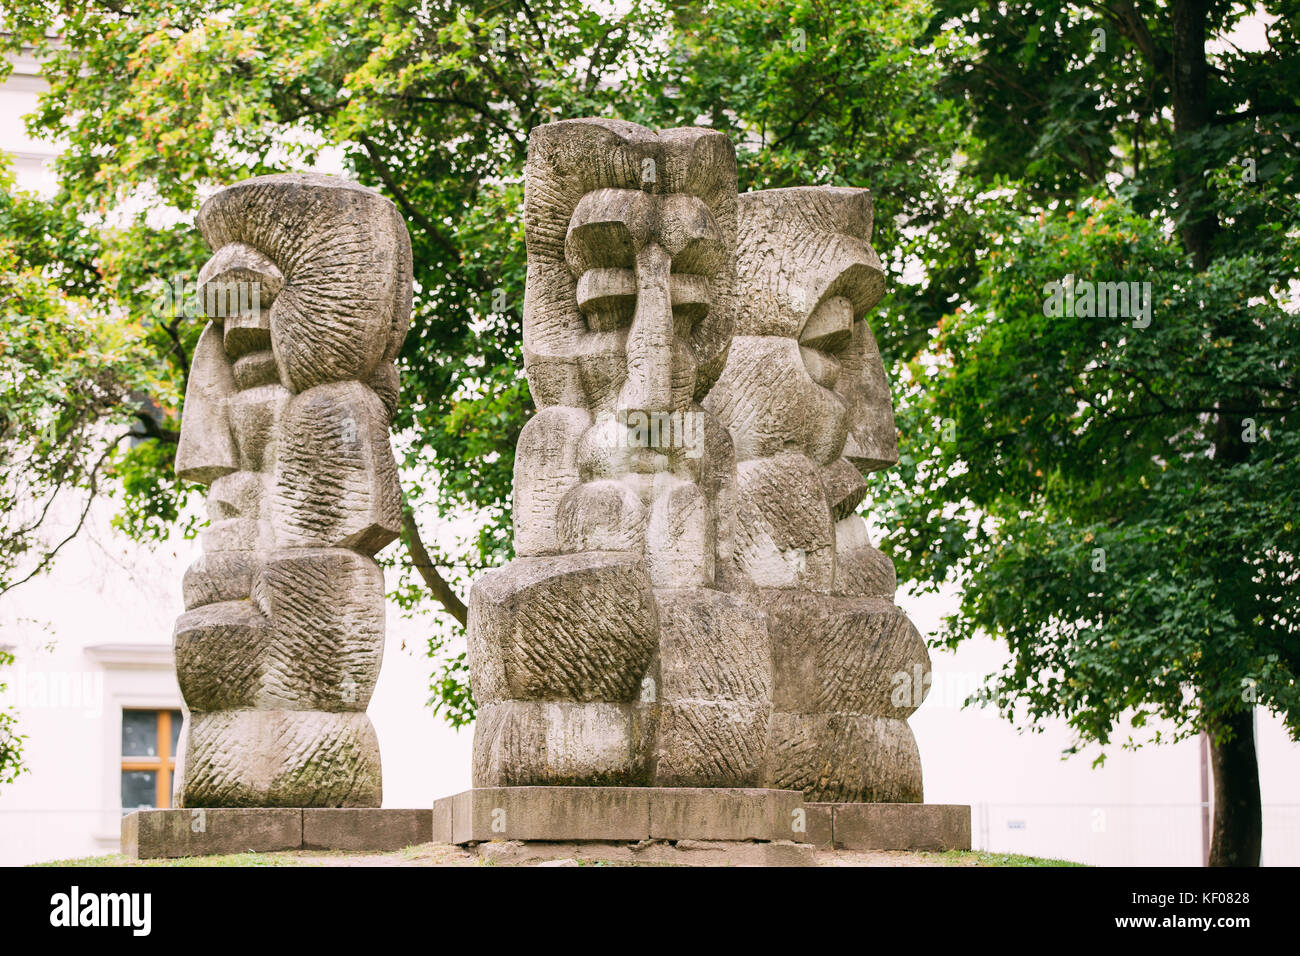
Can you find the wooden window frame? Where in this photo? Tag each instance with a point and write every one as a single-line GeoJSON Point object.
{"type": "Point", "coordinates": [163, 766]}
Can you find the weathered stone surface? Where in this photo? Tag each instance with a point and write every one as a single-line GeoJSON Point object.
{"type": "Point", "coordinates": [817, 825]}
{"type": "Point", "coordinates": [365, 828]}
{"type": "Point", "coordinates": [169, 834]}
{"type": "Point", "coordinates": [805, 398]}
{"type": "Point", "coordinates": [221, 650]}
{"type": "Point", "coordinates": [207, 451]}
{"type": "Point", "coordinates": [344, 253]}
{"type": "Point", "coordinates": [164, 834]}
{"type": "Point", "coordinates": [784, 534]}
{"type": "Point", "coordinates": [863, 571]}
{"type": "Point", "coordinates": [255, 415]}
{"type": "Point", "coordinates": [711, 744]}
{"type": "Point", "coordinates": [335, 478]}
{"type": "Point", "coordinates": [766, 395]}
{"type": "Point", "coordinates": [724, 814]}
{"type": "Point", "coordinates": [552, 813]}
{"type": "Point", "coordinates": [625, 486]}
{"type": "Point", "coordinates": [844, 655]}
{"type": "Point", "coordinates": [326, 606]}
{"type": "Point", "coordinates": [844, 757]}
{"type": "Point", "coordinates": [546, 469]}
{"type": "Point", "coordinates": [279, 758]}
{"type": "Point", "coordinates": [520, 743]}
{"type": "Point", "coordinates": [696, 602]}
{"type": "Point", "coordinates": [605, 194]}
{"type": "Point", "coordinates": [715, 690]}
{"type": "Point", "coordinates": [220, 576]}
{"type": "Point", "coordinates": [311, 638]}
{"type": "Point", "coordinates": [288, 406]}
{"type": "Point", "coordinates": [577, 627]}
{"type": "Point", "coordinates": [907, 826]}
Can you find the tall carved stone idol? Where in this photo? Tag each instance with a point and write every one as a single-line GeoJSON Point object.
{"type": "Point", "coordinates": [286, 420]}
{"type": "Point", "coordinates": [805, 397]}
{"type": "Point", "coordinates": [610, 651]}
{"type": "Point", "coordinates": [695, 602]}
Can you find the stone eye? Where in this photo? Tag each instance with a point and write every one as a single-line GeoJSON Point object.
{"type": "Point", "coordinates": [825, 336]}
{"type": "Point", "coordinates": [607, 298]}
{"type": "Point", "coordinates": [690, 297]}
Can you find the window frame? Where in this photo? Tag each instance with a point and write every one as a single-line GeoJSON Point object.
{"type": "Point", "coordinates": [163, 766]}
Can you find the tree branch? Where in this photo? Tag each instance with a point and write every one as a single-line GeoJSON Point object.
{"type": "Point", "coordinates": [81, 520]}
{"type": "Point", "coordinates": [442, 591]}
{"type": "Point", "coordinates": [423, 221]}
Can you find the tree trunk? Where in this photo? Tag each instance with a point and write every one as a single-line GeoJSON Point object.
{"type": "Point", "coordinates": [1189, 91]}
{"type": "Point", "coordinates": [1238, 821]}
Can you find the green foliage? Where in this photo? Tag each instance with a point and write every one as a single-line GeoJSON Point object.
{"type": "Point", "coordinates": [1116, 499]}
{"type": "Point", "coordinates": [848, 95]}
{"type": "Point", "coordinates": [1006, 151]}
{"type": "Point", "coordinates": [1129, 566]}
{"type": "Point", "coordinates": [11, 742]}
{"type": "Point", "coordinates": [432, 105]}
{"type": "Point", "coordinates": [70, 377]}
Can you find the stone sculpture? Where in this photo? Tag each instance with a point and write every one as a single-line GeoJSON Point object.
{"type": "Point", "coordinates": [610, 651]}
{"type": "Point", "coordinates": [695, 601]}
{"type": "Point", "coordinates": [805, 398]}
{"type": "Point", "coordinates": [287, 409]}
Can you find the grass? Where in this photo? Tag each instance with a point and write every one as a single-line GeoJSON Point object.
{"type": "Point", "coordinates": [983, 858]}
{"type": "Point", "coordinates": [232, 859]}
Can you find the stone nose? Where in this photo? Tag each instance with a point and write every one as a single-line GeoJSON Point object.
{"type": "Point", "coordinates": [649, 384]}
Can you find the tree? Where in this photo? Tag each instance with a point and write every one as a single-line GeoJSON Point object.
{"type": "Point", "coordinates": [11, 742]}
{"type": "Point", "coordinates": [1114, 489]}
{"type": "Point", "coordinates": [432, 104]}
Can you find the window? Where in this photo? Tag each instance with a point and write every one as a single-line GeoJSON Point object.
{"type": "Point", "coordinates": [149, 739]}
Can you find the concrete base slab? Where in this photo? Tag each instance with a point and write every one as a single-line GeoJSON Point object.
{"type": "Point", "coordinates": [154, 834]}
{"type": "Point", "coordinates": [617, 814]}
{"type": "Point", "coordinates": [653, 852]}
{"type": "Point", "coordinates": [355, 828]}
{"type": "Point", "coordinates": [889, 826]}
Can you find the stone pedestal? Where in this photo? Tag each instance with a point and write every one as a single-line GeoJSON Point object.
{"type": "Point", "coordinates": [889, 826]}
{"type": "Point", "coordinates": [678, 825]}
{"type": "Point", "coordinates": [685, 826]}
{"type": "Point", "coordinates": [617, 813]}
{"type": "Point", "coordinates": [154, 834]}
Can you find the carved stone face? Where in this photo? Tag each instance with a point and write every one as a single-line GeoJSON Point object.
{"type": "Point", "coordinates": [286, 417]}
{"type": "Point", "coordinates": [804, 393]}
{"type": "Point", "coordinates": [805, 398]}
{"type": "Point", "coordinates": [804, 373]}
{"type": "Point", "coordinates": [631, 237]}
{"type": "Point", "coordinates": [309, 286]}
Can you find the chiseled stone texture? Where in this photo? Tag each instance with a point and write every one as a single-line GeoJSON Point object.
{"type": "Point", "coordinates": [520, 743]}
{"type": "Point", "coordinates": [616, 813]}
{"type": "Point", "coordinates": [806, 401]}
{"type": "Point", "coordinates": [288, 405]}
{"type": "Point", "coordinates": [281, 758]}
{"type": "Point", "coordinates": [610, 652]}
{"type": "Point", "coordinates": [576, 627]}
{"type": "Point", "coordinates": [696, 601]}
{"type": "Point", "coordinates": [894, 826]}
{"type": "Point", "coordinates": [844, 757]}
{"type": "Point", "coordinates": [715, 690]}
